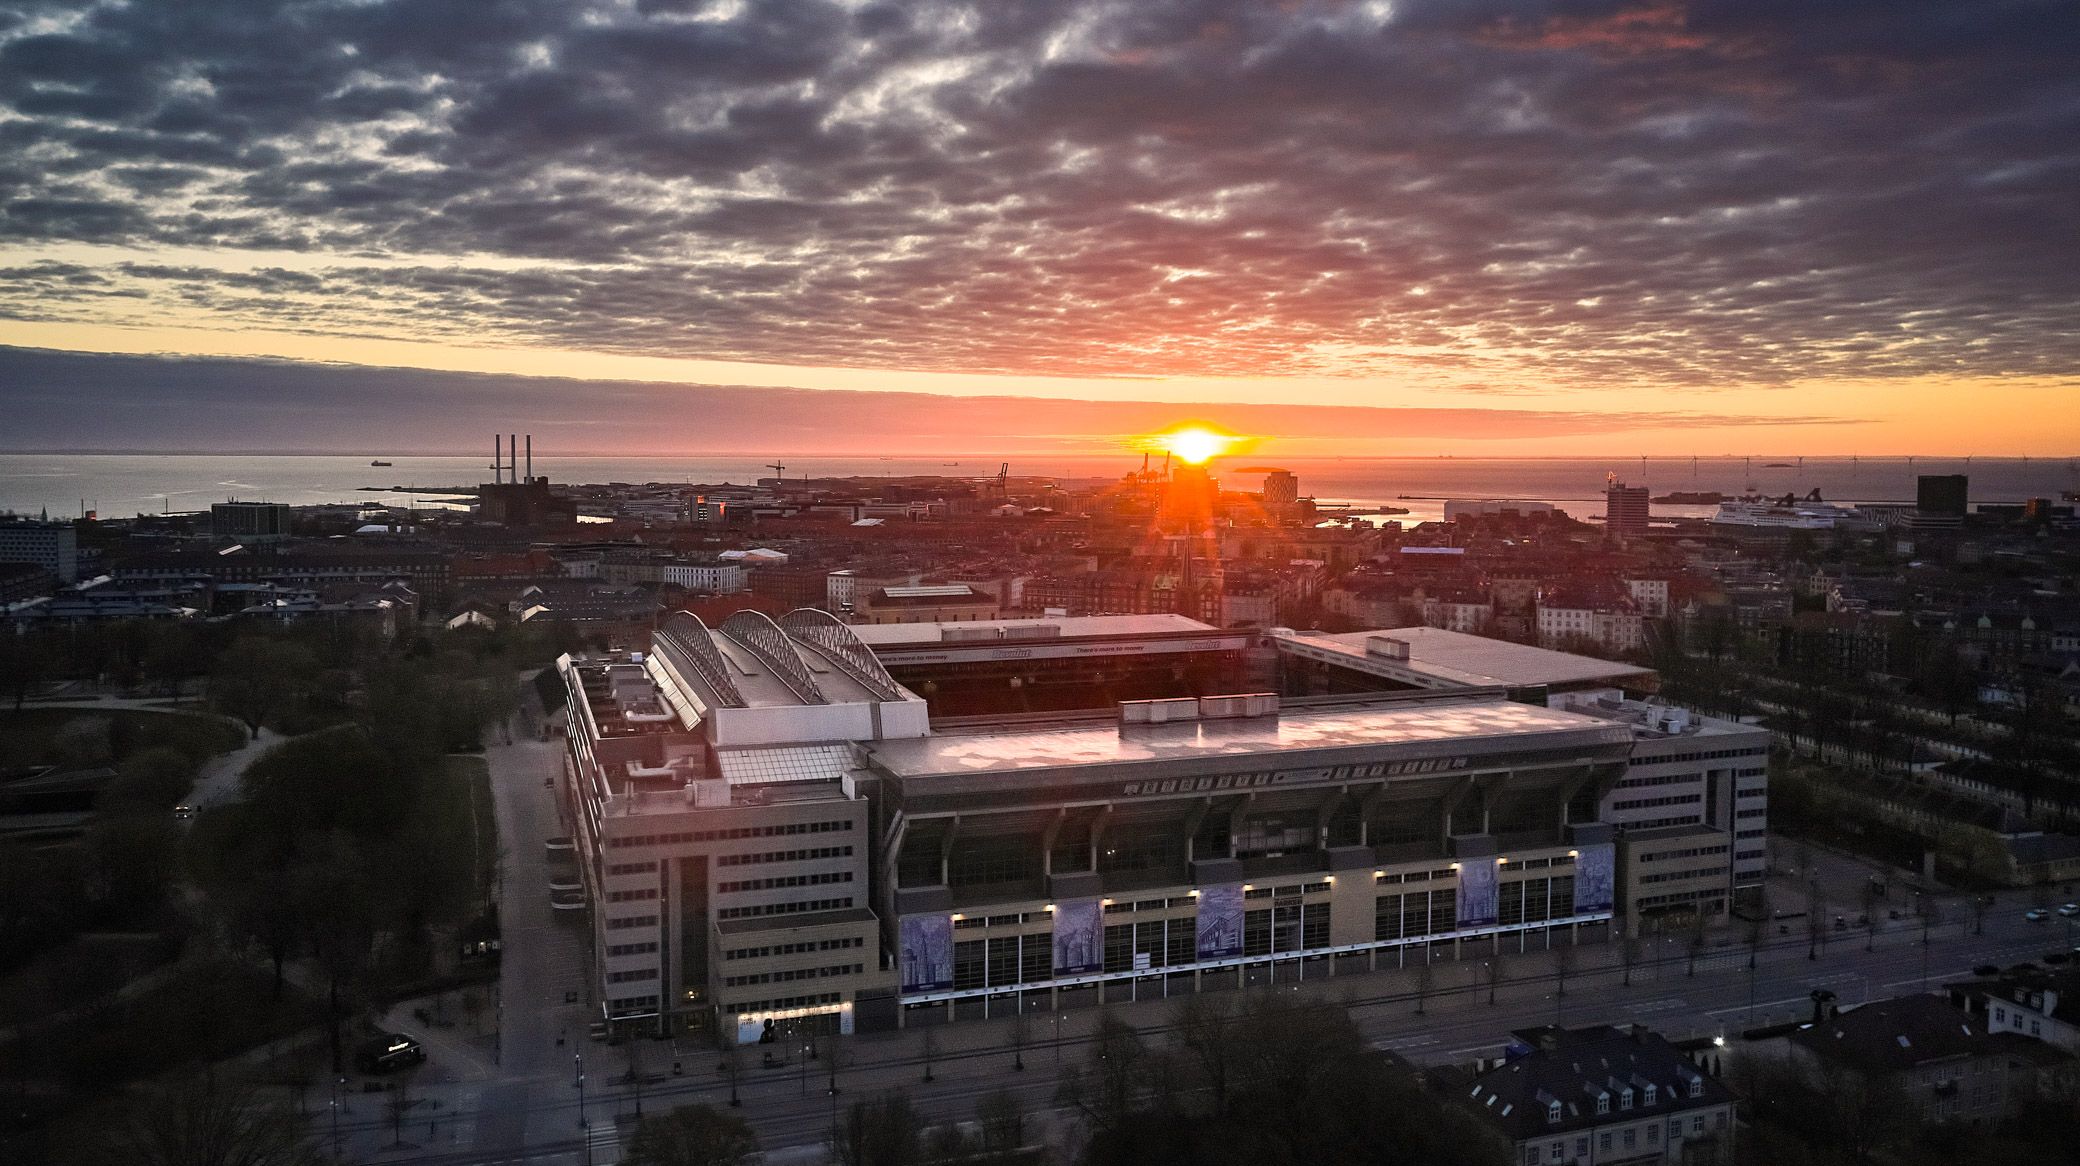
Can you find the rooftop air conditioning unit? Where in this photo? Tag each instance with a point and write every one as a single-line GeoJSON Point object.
{"type": "Point", "coordinates": [1388, 646]}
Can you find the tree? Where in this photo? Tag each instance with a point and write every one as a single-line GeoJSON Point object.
{"type": "Point", "coordinates": [202, 1122]}
{"type": "Point", "coordinates": [257, 676]}
{"type": "Point", "coordinates": [884, 1131]}
{"type": "Point", "coordinates": [1003, 1122]}
{"type": "Point", "coordinates": [691, 1135]}
{"type": "Point", "coordinates": [150, 779]}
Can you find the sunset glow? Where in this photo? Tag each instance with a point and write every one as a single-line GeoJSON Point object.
{"type": "Point", "coordinates": [1197, 444]}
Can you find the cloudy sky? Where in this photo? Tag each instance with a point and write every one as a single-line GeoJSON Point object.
{"type": "Point", "coordinates": [1713, 226]}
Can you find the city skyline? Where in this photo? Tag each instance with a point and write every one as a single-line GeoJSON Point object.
{"type": "Point", "coordinates": [1498, 229]}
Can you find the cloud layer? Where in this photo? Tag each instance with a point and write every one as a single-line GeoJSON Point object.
{"type": "Point", "coordinates": [1572, 193]}
{"type": "Point", "coordinates": [88, 401]}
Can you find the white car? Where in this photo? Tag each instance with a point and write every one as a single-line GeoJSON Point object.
{"type": "Point", "coordinates": [2036, 915]}
{"type": "Point", "coordinates": [2070, 910]}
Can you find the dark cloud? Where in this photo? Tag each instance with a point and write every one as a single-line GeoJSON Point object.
{"type": "Point", "coordinates": [1576, 191]}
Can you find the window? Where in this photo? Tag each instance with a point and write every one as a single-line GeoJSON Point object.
{"type": "Point", "coordinates": [1553, 1115]}
{"type": "Point", "coordinates": [1631, 1138]}
{"type": "Point", "coordinates": [1651, 1090]}
{"type": "Point", "coordinates": [1675, 1127]}
{"type": "Point", "coordinates": [1697, 1124]}
{"type": "Point", "coordinates": [1581, 1147]}
{"type": "Point", "coordinates": [1625, 1101]}
{"type": "Point", "coordinates": [1654, 1134]}
{"type": "Point", "coordinates": [1558, 1153]}
{"type": "Point", "coordinates": [1697, 1087]}
{"type": "Point", "coordinates": [1603, 1105]}
{"type": "Point", "coordinates": [1603, 1140]}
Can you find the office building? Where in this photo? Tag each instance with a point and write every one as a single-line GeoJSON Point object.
{"type": "Point", "coordinates": [1945, 494]}
{"type": "Point", "coordinates": [721, 836]}
{"type": "Point", "coordinates": [1281, 492]}
{"type": "Point", "coordinates": [1624, 508]}
{"type": "Point", "coordinates": [53, 546]}
{"type": "Point", "coordinates": [1584, 1096]}
{"type": "Point", "coordinates": [1940, 502]}
{"type": "Point", "coordinates": [249, 521]}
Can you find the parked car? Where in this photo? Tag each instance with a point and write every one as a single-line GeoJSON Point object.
{"type": "Point", "coordinates": [2036, 915]}
{"type": "Point", "coordinates": [2069, 910]}
{"type": "Point", "coordinates": [389, 1053]}
{"type": "Point", "coordinates": [184, 812]}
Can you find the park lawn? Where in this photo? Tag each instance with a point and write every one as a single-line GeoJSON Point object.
{"type": "Point", "coordinates": [465, 800]}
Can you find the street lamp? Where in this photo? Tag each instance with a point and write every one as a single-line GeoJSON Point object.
{"type": "Point", "coordinates": [336, 1083]}
{"type": "Point", "coordinates": [578, 1068]}
{"type": "Point", "coordinates": [1057, 1039]}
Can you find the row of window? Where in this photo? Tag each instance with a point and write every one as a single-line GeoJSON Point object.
{"type": "Point", "coordinates": [631, 948]}
{"type": "Point", "coordinates": [1712, 755]}
{"type": "Point", "coordinates": [627, 921]}
{"type": "Point", "coordinates": [629, 868]}
{"type": "Point", "coordinates": [784, 908]}
{"type": "Point", "coordinates": [1703, 900]}
{"type": "Point", "coordinates": [732, 833]}
{"type": "Point", "coordinates": [1671, 800]}
{"type": "Point", "coordinates": [753, 953]}
{"type": "Point", "coordinates": [1414, 876]}
{"type": "Point", "coordinates": [785, 1002]}
{"type": "Point", "coordinates": [1751, 773]}
{"type": "Point", "coordinates": [964, 922]}
{"type": "Point", "coordinates": [1658, 823]}
{"type": "Point", "coordinates": [1745, 855]}
{"type": "Point", "coordinates": [631, 896]}
{"type": "Point", "coordinates": [791, 974]}
{"type": "Point", "coordinates": [779, 881]}
{"type": "Point", "coordinates": [1760, 791]}
{"type": "Point", "coordinates": [631, 977]}
{"type": "Point", "coordinates": [803, 855]}
{"type": "Point", "coordinates": [1676, 876]}
{"type": "Point", "coordinates": [1556, 1151]}
{"type": "Point", "coordinates": [1757, 812]}
{"type": "Point", "coordinates": [1415, 914]}
{"type": "Point", "coordinates": [1665, 779]}
{"type": "Point", "coordinates": [1750, 833]}
{"type": "Point", "coordinates": [1693, 852]}
{"type": "Point", "coordinates": [631, 1003]}
{"type": "Point", "coordinates": [1510, 864]}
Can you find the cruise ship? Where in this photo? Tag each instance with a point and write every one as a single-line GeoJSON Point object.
{"type": "Point", "coordinates": [1786, 513]}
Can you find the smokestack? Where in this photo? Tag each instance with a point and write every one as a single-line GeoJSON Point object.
{"type": "Point", "coordinates": [513, 455]}
{"type": "Point", "coordinates": [530, 457]}
{"type": "Point", "coordinates": [497, 457]}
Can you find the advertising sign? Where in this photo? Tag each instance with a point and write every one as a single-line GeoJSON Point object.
{"type": "Point", "coordinates": [1220, 921]}
{"type": "Point", "coordinates": [1079, 937]}
{"type": "Point", "coordinates": [927, 942]}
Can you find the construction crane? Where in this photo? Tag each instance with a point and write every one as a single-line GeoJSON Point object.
{"type": "Point", "coordinates": [1004, 479]}
{"type": "Point", "coordinates": [776, 467]}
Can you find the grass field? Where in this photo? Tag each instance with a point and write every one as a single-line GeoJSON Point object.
{"type": "Point", "coordinates": [470, 798]}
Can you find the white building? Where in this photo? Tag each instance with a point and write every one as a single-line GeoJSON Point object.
{"type": "Point", "coordinates": [716, 578]}
{"type": "Point", "coordinates": [54, 546]}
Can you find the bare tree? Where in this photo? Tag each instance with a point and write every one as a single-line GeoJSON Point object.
{"type": "Point", "coordinates": [1003, 1122]}
{"type": "Point", "coordinates": [691, 1135]}
{"type": "Point", "coordinates": [203, 1122]}
{"type": "Point", "coordinates": [1426, 979]}
{"type": "Point", "coordinates": [931, 1053]}
{"type": "Point", "coordinates": [1020, 1033]}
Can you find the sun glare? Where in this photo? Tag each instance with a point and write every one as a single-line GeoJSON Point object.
{"type": "Point", "coordinates": [1195, 445]}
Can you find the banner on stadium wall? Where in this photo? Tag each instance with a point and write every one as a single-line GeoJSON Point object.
{"type": "Point", "coordinates": [927, 942]}
{"type": "Point", "coordinates": [1220, 921]}
{"type": "Point", "coordinates": [1595, 878]}
{"type": "Point", "coordinates": [1477, 892]}
{"type": "Point", "coordinates": [1079, 937]}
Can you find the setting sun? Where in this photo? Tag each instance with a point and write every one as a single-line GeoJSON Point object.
{"type": "Point", "coordinates": [1195, 444]}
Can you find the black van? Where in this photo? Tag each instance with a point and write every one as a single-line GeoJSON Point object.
{"type": "Point", "coordinates": [389, 1053]}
